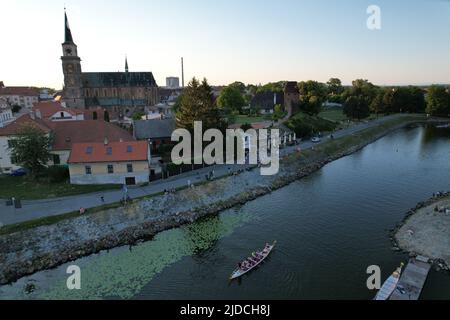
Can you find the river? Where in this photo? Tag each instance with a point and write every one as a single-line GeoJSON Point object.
{"type": "Point", "coordinates": [329, 226]}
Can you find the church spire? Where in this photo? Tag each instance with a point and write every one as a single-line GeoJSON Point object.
{"type": "Point", "coordinates": [67, 33]}
{"type": "Point", "coordinates": [126, 64]}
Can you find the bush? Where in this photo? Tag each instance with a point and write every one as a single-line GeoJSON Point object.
{"type": "Point", "coordinates": [57, 174]}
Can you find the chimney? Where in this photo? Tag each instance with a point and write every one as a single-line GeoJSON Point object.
{"type": "Point", "coordinates": [106, 142]}
{"type": "Point", "coordinates": [38, 114]}
{"type": "Point", "coordinates": [182, 72]}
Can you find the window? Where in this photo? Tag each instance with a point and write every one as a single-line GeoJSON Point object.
{"type": "Point", "coordinates": [89, 150]}
{"type": "Point", "coordinates": [110, 168]}
{"type": "Point", "coordinates": [109, 151]}
{"type": "Point", "coordinates": [129, 149]}
{"type": "Point", "coordinates": [129, 168]}
{"type": "Point", "coordinates": [88, 169]}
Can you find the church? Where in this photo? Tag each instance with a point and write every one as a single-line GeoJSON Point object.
{"type": "Point", "coordinates": [119, 93]}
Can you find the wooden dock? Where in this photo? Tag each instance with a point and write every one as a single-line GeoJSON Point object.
{"type": "Point", "coordinates": [412, 280]}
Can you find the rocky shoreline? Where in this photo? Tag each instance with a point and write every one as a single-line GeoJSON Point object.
{"type": "Point", "coordinates": [29, 251]}
{"type": "Point", "coordinates": [438, 263]}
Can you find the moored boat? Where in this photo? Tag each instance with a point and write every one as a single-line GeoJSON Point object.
{"type": "Point", "coordinates": [252, 262]}
{"type": "Point", "coordinates": [389, 285]}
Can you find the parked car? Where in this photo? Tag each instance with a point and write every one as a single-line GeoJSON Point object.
{"type": "Point", "coordinates": [315, 139]}
{"type": "Point", "coordinates": [19, 172]}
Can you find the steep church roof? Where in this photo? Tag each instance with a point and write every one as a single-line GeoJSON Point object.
{"type": "Point", "coordinates": [67, 33]}
{"type": "Point", "coordinates": [117, 79]}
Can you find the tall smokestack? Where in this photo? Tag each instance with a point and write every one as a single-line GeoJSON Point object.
{"type": "Point", "coordinates": [182, 72]}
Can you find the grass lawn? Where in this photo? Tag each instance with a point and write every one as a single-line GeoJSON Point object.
{"type": "Point", "coordinates": [333, 114]}
{"type": "Point", "coordinates": [25, 189]}
{"type": "Point", "coordinates": [242, 119]}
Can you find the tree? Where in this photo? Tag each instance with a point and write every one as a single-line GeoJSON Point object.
{"type": "Point", "coordinates": [335, 87]}
{"type": "Point", "coordinates": [272, 87]}
{"type": "Point", "coordinates": [138, 115]}
{"type": "Point", "coordinates": [239, 86]}
{"type": "Point", "coordinates": [417, 102]}
{"type": "Point", "coordinates": [312, 95]}
{"type": "Point", "coordinates": [231, 99]}
{"type": "Point", "coordinates": [438, 101]}
{"type": "Point", "coordinates": [197, 104]}
{"type": "Point", "coordinates": [31, 149]}
{"type": "Point", "coordinates": [377, 105]}
{"type": "Point", "coordinates": [361, 87]}
{"type": "Point", "coordinates": [356, 107]}
{"type": "Point", "coordinates": [277, 112]}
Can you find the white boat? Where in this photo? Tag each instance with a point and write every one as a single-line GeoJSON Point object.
{"type": "Point", "coordinates": [389, 285]}
{"type": "Point", "coordinates": [239, 272]}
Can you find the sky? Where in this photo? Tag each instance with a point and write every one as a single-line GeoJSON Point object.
{"type": "Point", "coordinates": [253, 41]}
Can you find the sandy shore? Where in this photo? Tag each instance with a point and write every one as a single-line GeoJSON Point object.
{"type": "Point", "coordinates": [426, 231]}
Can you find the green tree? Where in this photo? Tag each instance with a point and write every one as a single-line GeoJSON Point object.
{"type": "Point", "coordinates": [377, 105]}
{"type": "Point", "coordinates": [357, 107]}
{"type": "Point", "coordinates": [278, 112]}
{"type": "Point", "coordinates": [31, 149]}
{"type": "Point", "coordinates": [272, 87]}
{"type": "Point", "coordinates": [138, 115]}
{"type": "Point", "coordinates": [231, 99]}
{"type": "Point", "coordinates": [312, 95]}
{"type": "Point", "coordinates": [335, 87]}
{"type": "Point", "coordinates": [197, 104]}
{"type": "Point", "coordinates": [416, 98]}
{"type": "Point", "coordinates": [438, 101]}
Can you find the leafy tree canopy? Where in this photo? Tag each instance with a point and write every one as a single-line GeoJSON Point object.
{"type": "Point", "coordinates": [31, 149]}
{"type": "Point", "coordinates": [197, 103]}
{"type": "Point", "coordinates": [231, 99]}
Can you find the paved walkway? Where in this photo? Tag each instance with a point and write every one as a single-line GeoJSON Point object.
{"type": "Point", "coordinates": [49, 207]}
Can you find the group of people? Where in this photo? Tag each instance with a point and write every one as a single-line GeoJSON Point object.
{"type": "Point", "coordinates": [254, 259]}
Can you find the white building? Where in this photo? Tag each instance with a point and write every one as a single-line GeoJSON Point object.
{"type": "Point", "coordinates": [172, 82]}
{"type": "Point", "coordinates": [24, 97]}
{"type": "Point", "coordinates": [6, 114]}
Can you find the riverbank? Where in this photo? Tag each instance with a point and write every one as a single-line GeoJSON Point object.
{"type": "Point", "coordinates": [425, 231]}
{"type": "Point", "coordinates": [52, 245]}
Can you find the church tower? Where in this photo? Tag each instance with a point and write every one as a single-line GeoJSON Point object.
{"type": "Point", "coordinates": [71, 63]}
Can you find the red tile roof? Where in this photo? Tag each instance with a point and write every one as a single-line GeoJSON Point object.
{"type": "Point", "coordinates": [17, 125]}
{"type": "Point", "coordinates": [68, 133]}
{"type": "Point", "coordinates": [118, 152]}
{"type": "Point", "coordinates": [48, 108]}
{"type": "Point", "coordinates": [19, 91]}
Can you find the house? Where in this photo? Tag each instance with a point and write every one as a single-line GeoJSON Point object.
{"type": "Point", "coordinates": [158, 132]}
{"type": "Point", "coordinates": [266, 101]}
{"type": "Point", "coordinates": [123, 162]}
{"type": "Point", "coordinates": [6, 114]}
{"type": "Point", "coordinates": [54, 111]}
{"type": "Point", "coordinates": [66, 134]}
{"type": "Point", "coordinates": [9, 133]}
{"type": "Point", "coordinates": [63, 133]}
{"type": "Point", "coordinates": [24, 97]}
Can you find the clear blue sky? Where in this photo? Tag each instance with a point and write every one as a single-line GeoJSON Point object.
{"type": "Point", "coordinates": [254, 41]}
